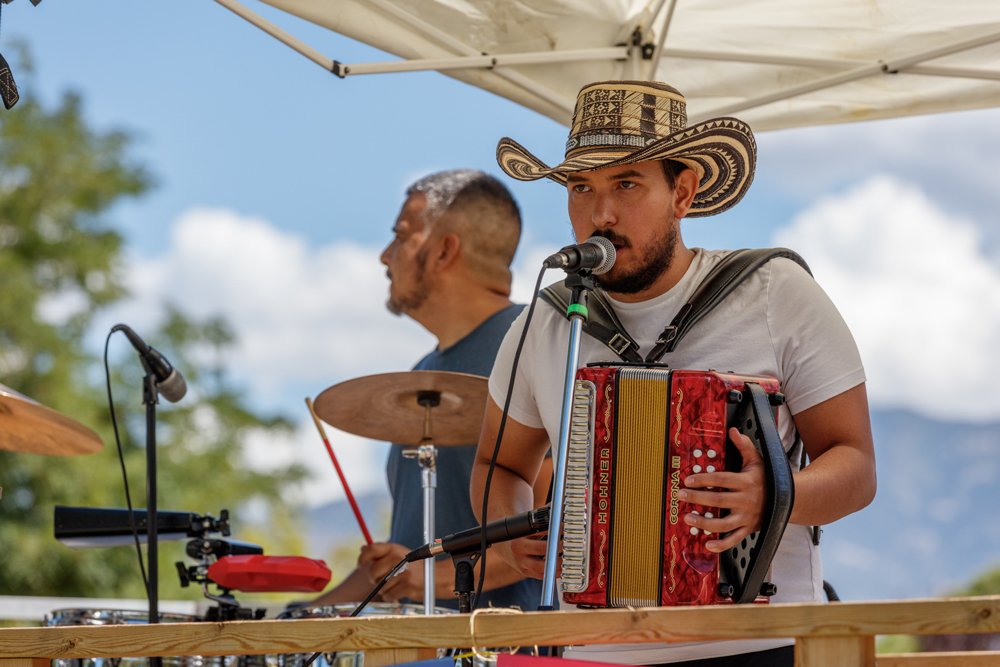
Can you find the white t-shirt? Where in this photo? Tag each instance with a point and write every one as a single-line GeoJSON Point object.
{"type": "Point", "coordinates": [779, 322]}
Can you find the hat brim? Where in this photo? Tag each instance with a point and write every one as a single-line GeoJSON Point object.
{"type": "Point", "coordinates": [722, 151]}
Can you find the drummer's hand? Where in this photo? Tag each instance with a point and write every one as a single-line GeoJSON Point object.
{"type": "Point", "coordinates": [380, 558]}
{"type": "Point", "coordinates": [744, 498]}
{"type": "Point", "coordinates": [526, 555]}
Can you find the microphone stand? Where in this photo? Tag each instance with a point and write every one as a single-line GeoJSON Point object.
{"type": "Point", "coordinates": [579, 284]}
{"type": "Point", "coordinates": [465, 585]}
{"type": "Point", "coordinates": [150, 398]}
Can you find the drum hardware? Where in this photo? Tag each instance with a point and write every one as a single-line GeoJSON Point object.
{"type": "Point", "coordinates": [426, 455]}
{"type": "Point", "coordinates": [208, 551]}
{"type": "Point", "coordinates": [231, 565]}
{"type": "Point", "coordinates": [395, 407]}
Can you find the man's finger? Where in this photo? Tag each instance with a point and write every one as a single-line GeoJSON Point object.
{"type": "Point", "coordinates": [716, 480]}
{"type": "Point", "coordinates": [745, 447]}
{"type": "Point", "coordinates": [734, 538]}
{"type": "Point", "coordinates": [374, 551]}
{"type": "Point", "coordinates": [711, 523]}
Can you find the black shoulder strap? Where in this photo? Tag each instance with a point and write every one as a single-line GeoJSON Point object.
{"type": "Point", "coordinates": [717, 285]}
{"type": "Point", "coordinates": [603, 324]}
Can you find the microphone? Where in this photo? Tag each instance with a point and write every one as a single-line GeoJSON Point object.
{"type": "Point", "coordinates": [596, 254]}
{"type": "Point", "coordinates": [169, 381]}
{"type": "Point", "coordinates": [501, 530]}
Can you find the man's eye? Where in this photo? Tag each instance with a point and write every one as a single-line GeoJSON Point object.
{"type": "Point", "coordinates": [627, 185]}
{"type": "Point", "coordinates": [580, 188]}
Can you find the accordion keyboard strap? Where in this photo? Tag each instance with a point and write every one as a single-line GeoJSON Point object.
{"type": "Point", "coordinates": [717, 285]}
{"type": "Point", "coordinates": [601, 322]}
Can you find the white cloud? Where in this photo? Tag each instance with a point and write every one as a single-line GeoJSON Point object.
{"type": "Point", "coordinates": [920, 296]}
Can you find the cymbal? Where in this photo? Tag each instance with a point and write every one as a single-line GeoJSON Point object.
{"type": "Point", "coordinates": [385, 407]}
{"type": "Point", "coordinates": [28, 426]}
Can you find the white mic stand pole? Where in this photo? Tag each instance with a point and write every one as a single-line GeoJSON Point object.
{"type": "Point", "coordinates": [579, 284]}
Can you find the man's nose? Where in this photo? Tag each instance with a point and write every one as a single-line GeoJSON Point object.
{"type": "Point", "coordinates": [386, 254]}
{"type": "Point", "coordinates": [604, 214]}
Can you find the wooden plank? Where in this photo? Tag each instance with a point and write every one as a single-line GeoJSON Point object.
{"type": "Point", "coordinates": [850, 651]}
{"type": "Point", "coordinates": [384, 657]}
{"type": "Point", "coordinates": [24, 662]}
{"type": "Point", "coordinates": [605, 626]}
{"type": "Point", "coordinates": [942, 659]}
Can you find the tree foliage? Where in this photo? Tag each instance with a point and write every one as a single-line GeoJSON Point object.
{"type": "Point", "coordinates": [61, 261]}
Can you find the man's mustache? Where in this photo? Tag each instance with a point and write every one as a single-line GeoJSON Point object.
{"type": "Point", "coordinates": [617, 239]}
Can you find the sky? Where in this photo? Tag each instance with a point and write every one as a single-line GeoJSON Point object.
{"type": "Point", "coordinates": [277, 184]}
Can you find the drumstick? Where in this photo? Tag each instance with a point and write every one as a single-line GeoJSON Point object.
{"type": "Point", "coordinates": [343, 480]}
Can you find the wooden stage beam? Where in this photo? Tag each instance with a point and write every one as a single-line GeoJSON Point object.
{"type": "Point", "coordinates": [605, 626]}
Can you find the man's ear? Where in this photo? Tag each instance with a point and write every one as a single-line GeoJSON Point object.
{"type": "Point", "coordinates": [449, 250]}
{"type": "Point", "coordinates": [684, 192]}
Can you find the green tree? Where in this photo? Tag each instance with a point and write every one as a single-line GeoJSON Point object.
{"type": "Point", "coordinates": [60, 262]}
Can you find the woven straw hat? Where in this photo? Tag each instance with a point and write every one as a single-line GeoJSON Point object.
{"type": "Point", "coordinates": [623, 122]}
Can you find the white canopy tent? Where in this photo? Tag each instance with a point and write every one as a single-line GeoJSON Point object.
{"type": "Point", "coordinates": [774, 63]}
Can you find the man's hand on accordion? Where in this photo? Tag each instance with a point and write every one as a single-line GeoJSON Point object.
{"type": "Point", "coordinates": [526, 555]}
{"type": "Point", "coordinates": [742, 493]}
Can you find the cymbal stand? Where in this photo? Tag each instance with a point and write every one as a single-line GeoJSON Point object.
{"type": "Point", "coordinates": [579, 284]}
{"type": "Point", "coordinates": [426, 455]}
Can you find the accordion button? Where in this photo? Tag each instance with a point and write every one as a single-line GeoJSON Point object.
{"type": "Point", "coordinates": [694, 531]}
{"type": "Point", "coordinates": [710, 469]}
{"type": "Point", "coordinates": [711, 454]}
{"type": "Point", "coordinates": [697, 453]}
{"type": "Point", "coordinates": [709, 515]}
{"type": "Point", "coordinates": [696, 469]}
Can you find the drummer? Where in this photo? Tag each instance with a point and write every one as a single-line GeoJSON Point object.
{"type": "Point", "coordinates": [449, 270]}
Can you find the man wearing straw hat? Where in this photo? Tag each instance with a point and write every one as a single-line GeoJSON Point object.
{"type": "Point", "coordinates": [633, 170]}
{"type": "Point", "coordinates": [449, 269]}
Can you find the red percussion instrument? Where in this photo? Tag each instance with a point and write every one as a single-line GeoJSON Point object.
{"type": "Point", "coordinates": [270, 574]}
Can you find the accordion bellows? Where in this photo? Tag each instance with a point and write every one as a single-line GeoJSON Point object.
{"type": "Point", "coordinates": [636, 433]}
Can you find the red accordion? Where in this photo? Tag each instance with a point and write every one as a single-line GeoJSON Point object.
{"type": "Point", "coordinates": [636, 433]}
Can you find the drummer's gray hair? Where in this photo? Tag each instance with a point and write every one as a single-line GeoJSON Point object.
{"type": "Point", "coordinates": [487, 218]}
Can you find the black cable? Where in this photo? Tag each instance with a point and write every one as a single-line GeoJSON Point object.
{"type": "Point", "coordinates": [385, 579]}
{"type": "Point", "coordinates": [121, 459]}
{"type": "Point", "coordinates": [496, 447]}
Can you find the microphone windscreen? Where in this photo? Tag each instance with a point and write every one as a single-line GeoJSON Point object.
{"type": "Point", "coordinates": [609, 254]}
{"type": "Point", "coordinates": [174, 387]}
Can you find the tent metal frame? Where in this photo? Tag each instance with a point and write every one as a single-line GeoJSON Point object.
{"type": "Point", "coordinates": [468, 58]}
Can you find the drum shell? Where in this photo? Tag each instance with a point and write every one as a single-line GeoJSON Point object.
{"type": "Point", "coordinates": [352, 658]}
{"type": "Point", "coordinates": [69, 617]}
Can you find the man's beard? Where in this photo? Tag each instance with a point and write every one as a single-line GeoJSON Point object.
{"type": "Point", "coordinates": [401, 304]}
{"type": "Point", "coordinates": [652, 263]}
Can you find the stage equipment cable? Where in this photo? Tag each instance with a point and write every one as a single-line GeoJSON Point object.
{"type": "Point", "coordinates": [121, 459]}
{"type": "Point", "coordinates": [496, 447]}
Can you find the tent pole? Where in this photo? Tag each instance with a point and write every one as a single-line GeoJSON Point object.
{"type": "Point", "coordinates": [888, 67]}
{"type": "Point", "coordinates": [279, 34]}
{"type": "Point", "coordinates": [499, 60]}
{"type": "Point", "coordinates": [823, 63]}
{"type": "Point", "coordinates": [651, 74]}
{"type": "Point", "coordinates": [956, 72]}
